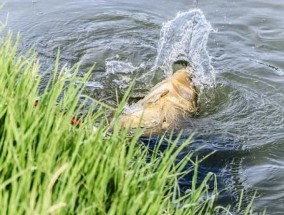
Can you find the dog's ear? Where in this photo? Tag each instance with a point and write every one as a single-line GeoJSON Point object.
{"type": "Point", "coordinates": [190, 75]}
{"type": "Point", "coordinates": [154, 96]}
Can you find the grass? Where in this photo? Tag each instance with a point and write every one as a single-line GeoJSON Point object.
{"type": "Point", "coordinates": [49, 166]}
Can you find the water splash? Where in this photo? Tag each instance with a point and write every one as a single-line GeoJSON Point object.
{"type": "Point", "coordinates": [185, 38]}
{"type": "Point", "coordinates": [121, 72]}
{"type": "Point", "coordinates": [115, 66]}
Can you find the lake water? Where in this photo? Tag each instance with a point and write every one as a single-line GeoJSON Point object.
{"type": "Point", "coordinates": [240, 73]}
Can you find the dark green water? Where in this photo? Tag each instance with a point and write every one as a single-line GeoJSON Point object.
{"type": "Point", "coordinates": [245, 45]}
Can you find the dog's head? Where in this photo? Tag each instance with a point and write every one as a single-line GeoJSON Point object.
{"type": "Point", "coordinates": [183, 76]}
{"type": "Point", "coordinates": [187, 68]}
{"type": "Point", "coordinates": [185, 88]}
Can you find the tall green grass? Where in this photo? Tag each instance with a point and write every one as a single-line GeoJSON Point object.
{"type": "Point", "coordinates": [48, 166]}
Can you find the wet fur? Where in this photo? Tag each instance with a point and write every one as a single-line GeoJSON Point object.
{"type": "Point", "coordinates": [165, 105]}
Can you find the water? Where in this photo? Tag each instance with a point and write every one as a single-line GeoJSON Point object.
{"type": "Point", "coordinates": [240, 72]}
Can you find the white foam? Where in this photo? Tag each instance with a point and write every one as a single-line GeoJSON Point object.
{"type": "Point", "coordinates": [116, 66]}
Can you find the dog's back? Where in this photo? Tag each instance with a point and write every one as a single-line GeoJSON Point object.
{"type": "Point", "coordinates": [165, 105]}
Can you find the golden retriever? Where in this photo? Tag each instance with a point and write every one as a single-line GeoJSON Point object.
{"type": "Point", "coordinates": [165, 105]}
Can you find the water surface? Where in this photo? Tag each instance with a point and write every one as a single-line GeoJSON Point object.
{"type": "Point", "coordinates": [240, 71]}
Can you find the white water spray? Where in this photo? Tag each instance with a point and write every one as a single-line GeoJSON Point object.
{"type": "Point", "coordinates": [185, 38]}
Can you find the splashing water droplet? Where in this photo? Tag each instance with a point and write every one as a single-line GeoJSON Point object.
{"type": "Point", "coordinates": [185, 38]}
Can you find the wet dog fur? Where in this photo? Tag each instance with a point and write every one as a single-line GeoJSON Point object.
{"type": "Point", "coordinates": [165, 105]}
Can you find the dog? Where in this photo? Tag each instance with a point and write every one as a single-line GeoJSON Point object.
{"type": "Point", "coordinates": [165, 105]}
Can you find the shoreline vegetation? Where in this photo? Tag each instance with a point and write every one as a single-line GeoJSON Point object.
{"type": "Point", "coordinates": [49, 166]}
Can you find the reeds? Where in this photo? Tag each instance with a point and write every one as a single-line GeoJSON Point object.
{"type": "Point", "coordinates": [50, 165]}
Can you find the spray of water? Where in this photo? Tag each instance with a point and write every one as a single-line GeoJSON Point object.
{"type": "Point", "coordinates": [183, 38]}
{"type": "Point", "coordinates": [122, 71]}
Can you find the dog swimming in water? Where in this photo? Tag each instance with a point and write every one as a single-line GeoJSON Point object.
{"type": "Point", "coordinates": [163, 108]}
